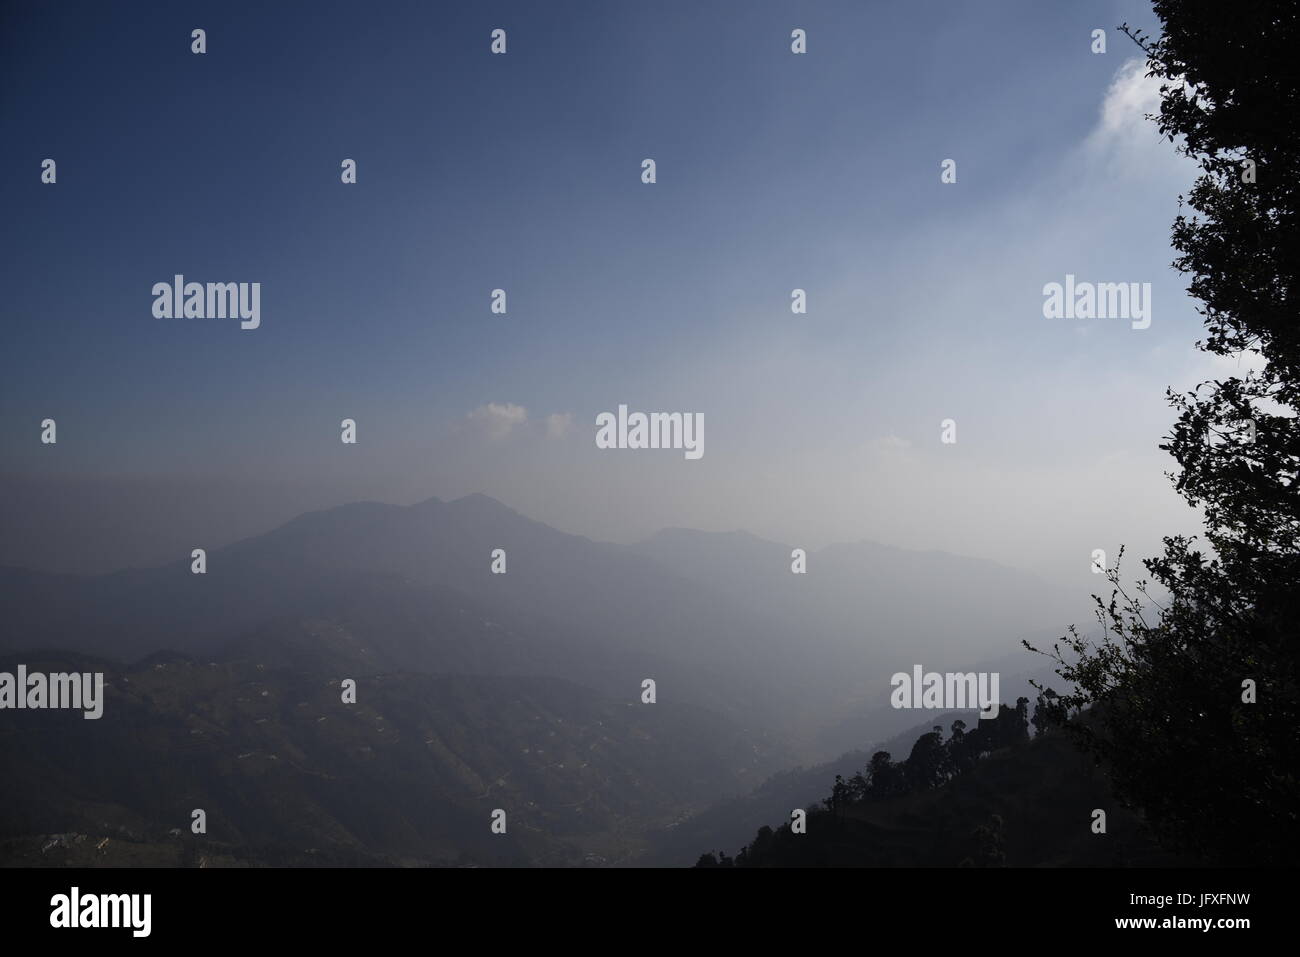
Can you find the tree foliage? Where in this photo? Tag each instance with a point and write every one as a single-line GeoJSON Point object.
{"type": "Point", "coordinates": [1166, 686]}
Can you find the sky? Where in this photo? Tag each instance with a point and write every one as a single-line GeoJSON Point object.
{"type": "Point", "coordinates": [522, 171]}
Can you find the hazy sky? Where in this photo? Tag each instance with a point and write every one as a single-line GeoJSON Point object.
{"type": "Point", "coordinates": [775, 171]}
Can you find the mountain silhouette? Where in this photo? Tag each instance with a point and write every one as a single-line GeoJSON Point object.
{"type": "Point", "coordinates": [756, 670]}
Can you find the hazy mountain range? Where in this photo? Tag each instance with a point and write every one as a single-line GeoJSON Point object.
{"type": "Point", "coordinates": [464, 676]}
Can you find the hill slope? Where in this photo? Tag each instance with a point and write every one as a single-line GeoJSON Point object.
{"type": "Point", "coordinates": [1025, 806]}
{"type": "Point", "coordinates": [410, 773]}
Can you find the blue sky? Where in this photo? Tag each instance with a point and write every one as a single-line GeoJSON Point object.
{"type": "Point", "coordinates": [522, 171]}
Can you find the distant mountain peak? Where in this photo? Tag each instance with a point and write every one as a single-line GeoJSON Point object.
{"type": "Point", "coordinates": [480, 506]}
{"type": "Point", "coordinates": [478, 498]}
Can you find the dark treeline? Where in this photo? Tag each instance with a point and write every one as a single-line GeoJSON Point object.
{"type": "Point", "coordinates": [1193, 691]}
{"type": "Point", "coordinates": [1190, 697]}
{"type": "Point", "coordinates": [933, 762]}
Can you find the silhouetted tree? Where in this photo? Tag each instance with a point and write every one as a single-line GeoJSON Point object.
{"type": "Point", "coordinates": [989, 838]}
{"type": "Point", "coordinates": [925, 766]}
{"type": "Point", "coordinates": [859, 787]}
{"type": "Point", "coordinates": [1214, 773]}
{"type": "Point", "coordinates": [886, 779]}
{"type": "Point", "coordinates": [1042, 719]}
{"type": "Point", "coordinates": [961, 753]}
{"type": "Point", "coordinates": [840, 796]}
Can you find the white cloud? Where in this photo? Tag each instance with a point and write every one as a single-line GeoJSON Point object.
{"type": "Point", "coordinates": [497, 419]}
{"type": "Point", "coordinates": [1237, 364]}
{"type": "Point", "coordinates": [1124, 139]}
{"type": "Point", "coordinates": [1131, 96]}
